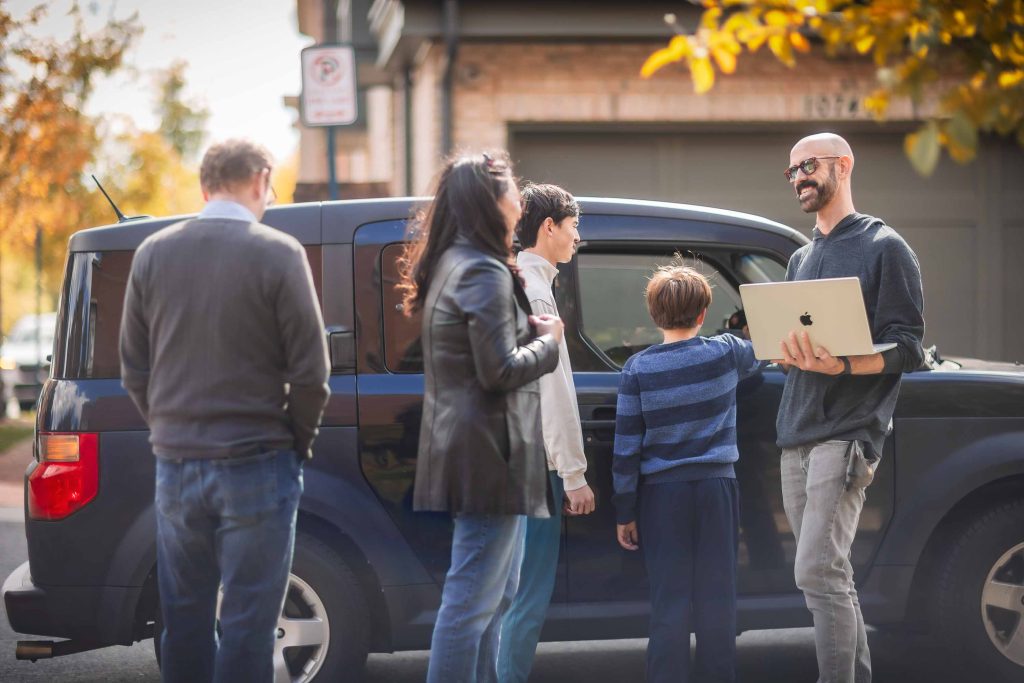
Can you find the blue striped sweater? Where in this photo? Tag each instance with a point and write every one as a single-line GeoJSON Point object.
{"type": "Point", "coordinates": [676, 414]}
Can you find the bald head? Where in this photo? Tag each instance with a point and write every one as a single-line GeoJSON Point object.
{"type": "Point", "coordinates": [822, 144]}
{"type": "Point", "coordinates": [823, 186]}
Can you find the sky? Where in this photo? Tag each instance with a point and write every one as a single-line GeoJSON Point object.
{"type": "Point", "coordinates": [242, 56]}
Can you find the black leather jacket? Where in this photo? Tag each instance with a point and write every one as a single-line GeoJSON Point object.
{"type": "Point", "coordinates": [481, 449]}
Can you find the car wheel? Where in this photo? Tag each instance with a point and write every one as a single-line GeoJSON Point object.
{"type": "Point", "coordinates": [323, 631]}
{"type": "Point", "coordinates": [980, 597]}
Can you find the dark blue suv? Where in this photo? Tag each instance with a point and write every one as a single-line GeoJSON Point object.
{"type": "Point", "coordinates": [941, 539]}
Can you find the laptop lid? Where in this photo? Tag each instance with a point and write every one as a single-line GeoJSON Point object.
{"type": "Point", "coordinates": [830, 310]}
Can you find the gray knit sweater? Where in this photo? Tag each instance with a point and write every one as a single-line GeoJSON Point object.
{"type": "Point", "coordinates": [818, 407]}
{"type": "Point", "coordinates": [222, 342]}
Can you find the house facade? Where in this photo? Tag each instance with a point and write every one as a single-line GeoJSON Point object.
{"type": "Point", "coordinates": [557, 84]}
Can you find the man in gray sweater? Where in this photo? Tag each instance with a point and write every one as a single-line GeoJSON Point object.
{"type": "Point", "coordinates": [223, 352]}
{"type": "Point", "coordinates": [836, 412]}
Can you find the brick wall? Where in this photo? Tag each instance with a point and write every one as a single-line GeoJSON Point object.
{"type": "Point", "coordinates": [523, 83]}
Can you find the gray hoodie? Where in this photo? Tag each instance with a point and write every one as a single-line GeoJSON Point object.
{"type": "Point", "coordinates": [816, 407]}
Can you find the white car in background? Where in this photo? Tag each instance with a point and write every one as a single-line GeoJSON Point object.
{"type": "Point", "coordinates": [24, 363]}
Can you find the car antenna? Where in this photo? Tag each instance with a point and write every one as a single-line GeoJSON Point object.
{"type": "Point", "coordinates": [121, 218]}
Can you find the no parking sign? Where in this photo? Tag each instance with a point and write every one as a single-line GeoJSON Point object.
{"type": "Point", "coordinates": [328, 86]}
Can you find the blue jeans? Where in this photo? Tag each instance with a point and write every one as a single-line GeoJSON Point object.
{"type": "Point", "coordinates": [231, 523]}
{"type": "Point", "coordinates": [520, 630]}
{"type": "Point", "coordinates": [689, 534]}
{"type": "Point", "coordinates": [487, 551]}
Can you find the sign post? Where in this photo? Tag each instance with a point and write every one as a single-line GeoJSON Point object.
{"type": "Point", "coordinates": [329, 95]}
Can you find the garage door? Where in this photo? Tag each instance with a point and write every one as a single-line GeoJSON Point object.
{"type": "Point", "coordinates": [966, 222]}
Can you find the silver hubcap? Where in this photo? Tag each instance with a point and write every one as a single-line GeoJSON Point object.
{"type": "Point", "coordinates": [1002, 604]}
{"type": "Point", "coordinates": [303, 633]}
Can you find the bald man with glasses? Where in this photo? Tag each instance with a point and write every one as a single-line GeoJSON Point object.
{"type": "Point", "coordinates": [835, 412]}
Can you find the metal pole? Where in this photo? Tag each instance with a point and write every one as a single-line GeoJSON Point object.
{"type": "Point", "coordinates": [330, 25]}
{"type": "Point", "coordinates": [332, 172]}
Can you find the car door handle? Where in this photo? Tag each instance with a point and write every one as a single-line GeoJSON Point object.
{"type": "Point", "coordinates": [600, 426]}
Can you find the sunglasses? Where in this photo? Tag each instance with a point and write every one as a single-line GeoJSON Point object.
{"type": "Point", "coordinates": [496, 165]}
{"type": "Point", "coordinates": [808, 166]}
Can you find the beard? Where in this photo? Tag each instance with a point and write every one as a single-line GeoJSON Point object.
{"type": "Point", "coordinates": [823, 192]}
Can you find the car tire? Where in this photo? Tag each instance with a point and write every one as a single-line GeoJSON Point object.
{"type": "Point", "coordinates": [979, 608]}
{"type": "Point", "coordinates": [324, 599]}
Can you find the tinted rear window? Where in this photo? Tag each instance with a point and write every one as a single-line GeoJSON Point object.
{"type": "Point", "coordinates": [90, 312]}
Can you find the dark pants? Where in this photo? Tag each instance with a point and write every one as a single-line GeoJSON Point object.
{"type": "Point", "coordinates": [689, 537]}
{"type": "Point", "coordinates": [227, 523]}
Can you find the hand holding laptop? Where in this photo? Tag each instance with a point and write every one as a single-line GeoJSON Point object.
{"type": "Point", "coordinates": [796, 351]}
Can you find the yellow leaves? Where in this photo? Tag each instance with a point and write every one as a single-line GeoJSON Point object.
{"type": "Point", "coordinates": [679, 48]}
{"type": "Point", "coordinates": [922, 148]}
{"type": "Point", "coordinates": [755, 40]}
{"type": "Point", "coordinates": [726, 60]}
{"type": "Point", "coordinates": [962, 60]}
{"type": "Point", "coordinates": [877, 103]}
{"type": "Point", "coordinates": [864, 44]}
{"type": "Point", "coordinates": [709, 20]}
{"type": "Point", "coordinates": [782, 49]}
{"type": "Point", "coordinates": [703, 75]}
{"type": "Point", "coordinates": [960, 136]}
{"type": "Point", "coordinates": [1009, 52]}
{"type": "Point", "coordinates": [1009, 79]}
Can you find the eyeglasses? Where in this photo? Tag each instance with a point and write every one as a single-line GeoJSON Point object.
{"type": "Point", "coordinates": [808, 166]}
{"type": "Point", "coordinates": [271, 195]}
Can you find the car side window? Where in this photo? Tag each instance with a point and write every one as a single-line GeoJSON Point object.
{"type": "Point", "coordinates": [402, 351]}
{"type": "Point", "coordinates": [613, 315]}
{"type": "Point", "coordinates": [106, 302]}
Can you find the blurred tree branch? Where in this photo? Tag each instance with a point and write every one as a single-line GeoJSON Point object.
{"type": "Point", "coordinates": [968, 53]}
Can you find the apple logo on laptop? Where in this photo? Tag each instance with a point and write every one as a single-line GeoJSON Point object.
{"type": "Point", "coordinates": [805, 319]}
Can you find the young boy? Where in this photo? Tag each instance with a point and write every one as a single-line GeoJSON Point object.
{"type": "Point", "coordinates": [675, 445]}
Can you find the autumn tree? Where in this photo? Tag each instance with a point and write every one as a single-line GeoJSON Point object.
{"type": "Point", "coordinates": [962, 58]}
{"type": "Point", "coordinates": [182, 123]}
{"type": "Point", "coordinates": [46, 139]}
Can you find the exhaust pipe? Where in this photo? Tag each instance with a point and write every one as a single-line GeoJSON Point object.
{"type": "Point", "coordinates": [34, 650]}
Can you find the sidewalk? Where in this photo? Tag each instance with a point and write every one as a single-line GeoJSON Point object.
{"type": "Point", "coordinates": [12, 471]}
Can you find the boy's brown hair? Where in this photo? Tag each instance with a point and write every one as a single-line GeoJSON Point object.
{"type": "Point", "coordinates": [676, 296]}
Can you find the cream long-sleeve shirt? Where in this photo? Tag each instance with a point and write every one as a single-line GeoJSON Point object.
{"type": "Point", "coordinates": [560, 414]}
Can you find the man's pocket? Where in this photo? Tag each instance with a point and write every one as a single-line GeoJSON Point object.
{"type": "Point", "coordinates": [860, 468]}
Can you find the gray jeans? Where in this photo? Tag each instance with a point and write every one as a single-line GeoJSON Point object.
{"type": "Point", "coordinates": [823, 507]}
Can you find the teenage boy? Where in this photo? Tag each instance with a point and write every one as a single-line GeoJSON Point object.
{"type": "Point", "coordinates": [547, 232]}
{"type": "Point", "coordinates": [675, 435]}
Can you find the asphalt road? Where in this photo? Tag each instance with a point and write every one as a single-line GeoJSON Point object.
{"type": "Point", "coordinates": [785, 656]}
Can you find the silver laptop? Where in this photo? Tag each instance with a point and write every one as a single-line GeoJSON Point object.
{"type": "Point", "coordinates": [830, 310]}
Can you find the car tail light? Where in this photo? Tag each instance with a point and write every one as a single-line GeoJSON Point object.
{"type": "Point", "coordinates": [67, 476]}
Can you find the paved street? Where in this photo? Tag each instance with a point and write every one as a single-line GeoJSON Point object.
{"type": "Point", "coordinates": [764, 656]}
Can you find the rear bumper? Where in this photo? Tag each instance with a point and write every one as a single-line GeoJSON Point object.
{"type": "Point", "coordinates": [104, 615]}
